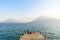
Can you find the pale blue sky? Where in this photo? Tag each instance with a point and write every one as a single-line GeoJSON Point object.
{"type": "Point", "coordinates": [26, 8]}
{"type": "Point", "coordinates": [20, 8]}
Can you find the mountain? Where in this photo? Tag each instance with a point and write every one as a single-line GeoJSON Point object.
{"type": "Point", "coordinates": [44, 20]}
{"type": "Point", "coordinates": [10, 21]}
{"type": "Point", "coordinates": [38, 20]}
{"type": "Point", "coordinates": [14, 21]}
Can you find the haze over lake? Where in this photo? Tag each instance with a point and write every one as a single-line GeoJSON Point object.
{"type": "Point", "coordinates": [48, 27]}
{"type": "Point", "coordinates": [19, 15]}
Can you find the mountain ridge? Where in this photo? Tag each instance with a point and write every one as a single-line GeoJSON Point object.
{"type": "Point", "coordinates": [39, 19]}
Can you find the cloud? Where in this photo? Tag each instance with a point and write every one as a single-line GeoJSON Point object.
{"type": "Point", "coordinates": [19, 19]}
{"type": "Point", "coordinates": [2, 19]}
{"type": "Point", "coordinates": [49, 9]}
{"type": "Point", "coordinates": [22, 19]}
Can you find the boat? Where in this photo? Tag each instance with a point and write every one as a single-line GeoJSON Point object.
{"type": "Point", "coordinates": [32, 36]}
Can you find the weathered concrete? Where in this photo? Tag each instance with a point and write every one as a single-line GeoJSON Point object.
{"type": "Point", "coordinates": [33, 36]}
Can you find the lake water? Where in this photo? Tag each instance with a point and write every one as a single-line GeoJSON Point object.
{"type": "Point", "coordinates": [12, 31]}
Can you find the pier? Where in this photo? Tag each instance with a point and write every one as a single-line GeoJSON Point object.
{"type": "Point", "coordinates": [33, 36]}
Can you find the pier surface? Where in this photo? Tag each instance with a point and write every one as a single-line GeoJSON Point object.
{"type": "Point", "coordinates": [33, 36]}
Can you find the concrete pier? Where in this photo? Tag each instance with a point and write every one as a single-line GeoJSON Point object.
{"type": "Point", "coordinates": [33, 36]}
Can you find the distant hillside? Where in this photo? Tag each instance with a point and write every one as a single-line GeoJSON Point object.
{"type": "Point", "coordinates": [38, 20]}
{"type": "Point", "coordinates": [10, 21]}
{"type": "Point", "coordinates": [41, 20]}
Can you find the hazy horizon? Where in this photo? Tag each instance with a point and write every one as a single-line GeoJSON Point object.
{"type": "Point", "coordinates": [24, 10]}
{"type": "Point", "coordinates": [20, 16]}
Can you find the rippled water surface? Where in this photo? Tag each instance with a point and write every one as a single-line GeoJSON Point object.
{"type": "Point", "coordinates": [12, 31]}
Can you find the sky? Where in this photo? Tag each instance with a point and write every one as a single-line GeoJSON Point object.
{"type": "Point", "coordinates": [29, 9]}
